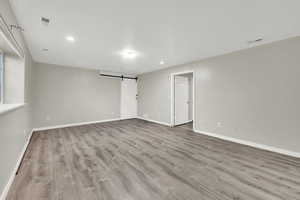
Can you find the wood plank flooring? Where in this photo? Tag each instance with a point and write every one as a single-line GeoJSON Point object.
{"type": "Point", "coordinates": [139, 160]}
{"type": "Point", "coordinates": [188, 126]}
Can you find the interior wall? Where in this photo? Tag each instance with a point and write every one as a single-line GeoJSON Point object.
{"type": "Point", "coordinates": [251, 95]}
{"type": "Point", "coordinates": [64, 95]}
{"type": "Point", "coordinates": [16, 125]}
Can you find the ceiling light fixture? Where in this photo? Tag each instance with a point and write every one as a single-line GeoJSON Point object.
{"type": "Point", "coordinates": [162, 62]}
{"type": "Point", "coordinates": [70, 38]}
{"type": "Point", "coordinates": [129, 54]}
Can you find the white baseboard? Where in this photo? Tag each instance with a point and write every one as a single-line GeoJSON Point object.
{"type": "Point", "coordinates": [183, 123]}
{"type": "Point", "coordinates": [252, 144]}
{"type": "Point", "coordinates": [125, 118]}
{"type": "Point", "coordinates": [154, 121]}
{"type": "Point", "coordinates": [74, 124]}
{"type": "Point", "coordinates": [13, 174]}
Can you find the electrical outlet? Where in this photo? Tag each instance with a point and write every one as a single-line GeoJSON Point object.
{"type": "Point", "coordinates": [219, 124]}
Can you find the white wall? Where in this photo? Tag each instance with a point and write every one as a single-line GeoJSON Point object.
{"type": "Point", "coordinates": [15, 125]}
{"type": "Point", "coordinates": [64, 95]}
{"type": "Point", "coordinates": [253, 94]}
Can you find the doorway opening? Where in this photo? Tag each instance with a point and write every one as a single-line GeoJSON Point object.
{"type": "Point", "coordinates": [182, 99]}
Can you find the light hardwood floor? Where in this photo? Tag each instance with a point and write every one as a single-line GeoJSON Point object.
{"type": "Point", "coordinates": [188, 126]}
{"type": "Point", "coordinates": [139, 160]}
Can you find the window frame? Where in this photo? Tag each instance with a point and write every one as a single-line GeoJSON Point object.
{"type": "Point", "coordinates": [1, 77]}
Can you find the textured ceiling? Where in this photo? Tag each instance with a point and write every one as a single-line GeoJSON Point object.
{"type": "Point", "coordinates": [176, 31]}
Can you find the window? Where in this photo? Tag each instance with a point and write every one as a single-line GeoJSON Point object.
{"type": "Point", "coordinates": [1, 77]}
{"type": "Point", "coordinates": [12, 69]}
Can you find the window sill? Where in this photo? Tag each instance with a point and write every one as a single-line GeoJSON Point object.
{"type": "Point", "coordinates": [4, 108]}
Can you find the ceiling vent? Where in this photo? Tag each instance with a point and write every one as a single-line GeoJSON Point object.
{"type": "Point", "coordinates": [45, 21]}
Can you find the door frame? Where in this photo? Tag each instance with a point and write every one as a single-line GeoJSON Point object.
{"type": "Point", "coordinates": [172, 80]}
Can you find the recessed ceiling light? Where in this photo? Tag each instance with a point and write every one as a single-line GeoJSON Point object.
{"type": "Point", "coordinates": [129, 54]}
{"type": "Point", "coordinates": [70, 38]}
{"type": "Point", "coordinates": [162, 62]}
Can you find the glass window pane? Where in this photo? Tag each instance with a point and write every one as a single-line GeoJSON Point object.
{"type": "Point", "coordinates": [1, 77]}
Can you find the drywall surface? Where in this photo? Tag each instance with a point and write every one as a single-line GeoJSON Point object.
{"type": "Point", "coordinates": [251, 95]}
{"type": "Point", "coordinates": [65, 95]}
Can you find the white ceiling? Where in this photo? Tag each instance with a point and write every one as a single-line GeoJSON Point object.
{"type": "Point", "coordinates": [176, 31]}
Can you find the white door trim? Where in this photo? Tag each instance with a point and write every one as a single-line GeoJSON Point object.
{"type": "Point", "coordinates": [172, 78]}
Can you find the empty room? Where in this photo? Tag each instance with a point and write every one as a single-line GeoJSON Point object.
{"type": "Point", "coordinates": [149, 100]}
